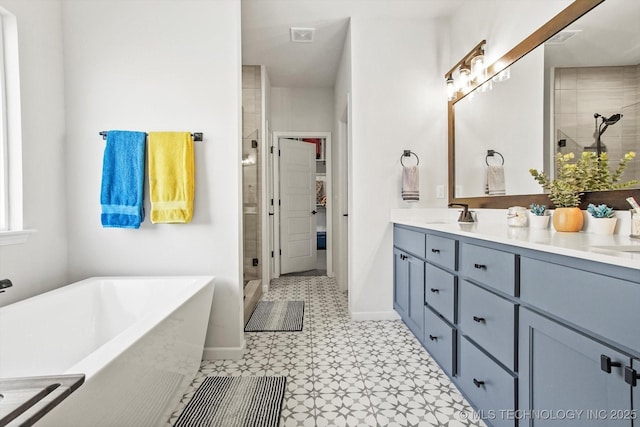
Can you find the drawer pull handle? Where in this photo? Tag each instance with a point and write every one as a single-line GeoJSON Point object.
{"type": "Point", "coordinates": [606, 363]}
{"type": "Point", "coordinates": [432, 338]}
{"type": "Point", "coordinates": [435, 291]}
{"type": "Point", "coordinates": [480, 266]}
{"type": "Point", "coordinates": [435, 251]}
{"type": "Point", "coordinates": [478, 319]}
{"type": "Point", "coordinates": [631, 376]}
{"type": "Point", "coordinates": [478, 383]}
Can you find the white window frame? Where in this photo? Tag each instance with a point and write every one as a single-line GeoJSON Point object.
{"type": "Point", "coordinates": [11, 207]}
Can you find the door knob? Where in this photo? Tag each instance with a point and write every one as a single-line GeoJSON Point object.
{"type": "Point", "coordinates": [314, 212]}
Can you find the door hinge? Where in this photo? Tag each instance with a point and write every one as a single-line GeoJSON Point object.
{"type": "Point", "coordinates": [272, 254]}
{"type": "Point", "coordinates": [280, 251]}
{"type": "Point", "coordinates": [278, 153]}
{"type": "Point", "coordinates": [279, 202]}
{"type": "Point", "coordinates": [271, 202]}
{"type": "Point", "coordinates": [271, 149]}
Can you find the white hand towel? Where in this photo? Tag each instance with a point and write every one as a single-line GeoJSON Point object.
{"type": "Point", "coordinates": [410, 184]}
{"type": "Point", "coordinates": [495, 180]}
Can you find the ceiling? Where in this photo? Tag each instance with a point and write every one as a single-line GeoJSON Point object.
{"type": "Point", "coordinates": [606, 36]}
{"type": "Point", "coordinates": [266, 40]}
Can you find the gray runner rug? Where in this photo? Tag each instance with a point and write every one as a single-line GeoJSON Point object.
{"type": "Point", "coordinates": [279, 316]}
{"type": "Point", "coordinates": [235, 402]}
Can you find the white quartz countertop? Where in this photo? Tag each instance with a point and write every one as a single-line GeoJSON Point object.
{"type": "Point", "coordinates": [580, 245]}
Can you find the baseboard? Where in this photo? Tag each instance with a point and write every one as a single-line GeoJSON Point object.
{"type": "Point", "coordinates": [374, 315]}
{"type": "Point", "coordinates": [217, 353]}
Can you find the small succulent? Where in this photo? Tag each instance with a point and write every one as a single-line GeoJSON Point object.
{"type": "Point", "coordinates": [600, 211]}
{"type": "Point", "coordinates": [537, 210]}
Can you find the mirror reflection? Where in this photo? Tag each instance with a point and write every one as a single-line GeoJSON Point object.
{"type": "Point", "coordinates": [579, 91]}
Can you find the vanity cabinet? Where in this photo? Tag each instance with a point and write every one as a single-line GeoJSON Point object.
{"type": "Point", "coordinates": [531, 338]}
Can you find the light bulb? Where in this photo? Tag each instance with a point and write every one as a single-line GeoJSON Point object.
{"type": "Point", "coordinates": [464, 79]}
{"type": "Point", "coordinates": [502, 75]}
{"type": "Point", "coordinates": [451, 89]}
{"type": "Point", "coordinates": [478, 70]}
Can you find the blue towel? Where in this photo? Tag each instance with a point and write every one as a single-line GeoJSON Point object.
{"type": "Point", "coordinates": [122, 191]}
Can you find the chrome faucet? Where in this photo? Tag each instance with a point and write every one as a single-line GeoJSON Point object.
{"type": "Point", "coordinates": [4, 284]}
{"type": "Point", "coordinates": [465, 214]}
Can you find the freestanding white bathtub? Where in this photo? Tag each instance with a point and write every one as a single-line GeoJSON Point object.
{"type": "Point", "coordinates": [138, 340]}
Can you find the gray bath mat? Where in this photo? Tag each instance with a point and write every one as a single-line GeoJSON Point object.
{"type": "Point", "coordinates": [279, 316]}
{"type": "Point", "coordinates": [235, 402]}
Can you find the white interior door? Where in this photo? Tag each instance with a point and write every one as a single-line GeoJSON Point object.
{"type": "Point", "coordinates": [298, 238]}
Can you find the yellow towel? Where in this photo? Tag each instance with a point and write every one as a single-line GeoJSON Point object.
{"type": "Point", "coordinates": [171, 177]}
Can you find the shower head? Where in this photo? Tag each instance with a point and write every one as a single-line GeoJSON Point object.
{"type": "Point", "coordinates": [606, 122]}
{"type": "Point", "coordinates": [612, 120]}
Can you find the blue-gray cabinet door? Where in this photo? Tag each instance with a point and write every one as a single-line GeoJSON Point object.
{"type": "Point", "coordinates": [415, 313]}
{"type": "Point", "coordinates": [564, 379]}
{"type": "Point", "coordinates": [400, 283]}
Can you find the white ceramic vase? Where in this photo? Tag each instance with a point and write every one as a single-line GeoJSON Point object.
{"type": "Point", "coordinates": [539, 222]}
{"type": "Point", "coordinates": [603, 225]}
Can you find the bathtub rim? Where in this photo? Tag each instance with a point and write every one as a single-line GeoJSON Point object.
{"type": "Point", "coordinates": [94, 362]}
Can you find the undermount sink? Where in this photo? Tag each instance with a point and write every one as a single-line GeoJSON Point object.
{"type": "Point", "coordinates": [620, 248]}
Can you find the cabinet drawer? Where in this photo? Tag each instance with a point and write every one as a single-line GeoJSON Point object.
{"type": "Point", "coordinates": [486, 384]}
{"type": "Point", "coordinates": [440, 289]}
{"type": "Point", "coordinates": [490, 267]}
{"type": "Point", "coordinates": [409, 241]}
{"type": "Point", "coordinates": [601, 304]}
{"type": "Point", "coordinates": [439, 339]}
{"type": "Point", "coordinates": [489, 320]}
{"type": "Point", "coordinates": [442, 251]}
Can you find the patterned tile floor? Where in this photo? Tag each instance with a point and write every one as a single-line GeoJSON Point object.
{"type": "Point", "coordinates": [344, 373]}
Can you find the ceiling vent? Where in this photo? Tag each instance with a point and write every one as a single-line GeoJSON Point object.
{"type": "Point", "coordinates": [302, 35]}
{"type": "Point", "coordinates": [562, 36]}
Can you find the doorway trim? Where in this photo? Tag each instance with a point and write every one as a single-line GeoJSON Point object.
{"type": "Point", "coordinates": [275, 141]}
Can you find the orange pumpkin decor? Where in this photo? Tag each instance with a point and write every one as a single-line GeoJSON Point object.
{"type": "Point", "coordinates": [567, 219]}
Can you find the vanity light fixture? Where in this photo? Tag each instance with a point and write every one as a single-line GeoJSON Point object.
{"type": "Point", "coordinates": [471, 72]}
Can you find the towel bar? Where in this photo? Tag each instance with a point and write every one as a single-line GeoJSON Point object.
{"type": "Point", "coordinates": [197, 136]}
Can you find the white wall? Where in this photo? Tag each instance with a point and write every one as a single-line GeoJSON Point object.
{"type": "Point", "coordinates": [302, 109]}
{"type": "Point", "coordinates": [158, 65]}
{"type": "Point", "coordinates": [40, 264]}
{"type": "Point", "coordinates": [399, 102]}
{"type": "Point", "coordinates": [339, 160]}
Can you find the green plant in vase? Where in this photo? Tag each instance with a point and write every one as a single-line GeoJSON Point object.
{"type": "Point", "coordinates": [589, 173]}
{"type": "Point", "coordinates": [603, 219]}
{"type": "Point", "coordinates": [538, 217]}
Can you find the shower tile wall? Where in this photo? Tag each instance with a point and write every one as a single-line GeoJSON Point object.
{"type": "Point", "coordinates": [251, 206]}
{"type": "Point", "coordinates": [581, 92]}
